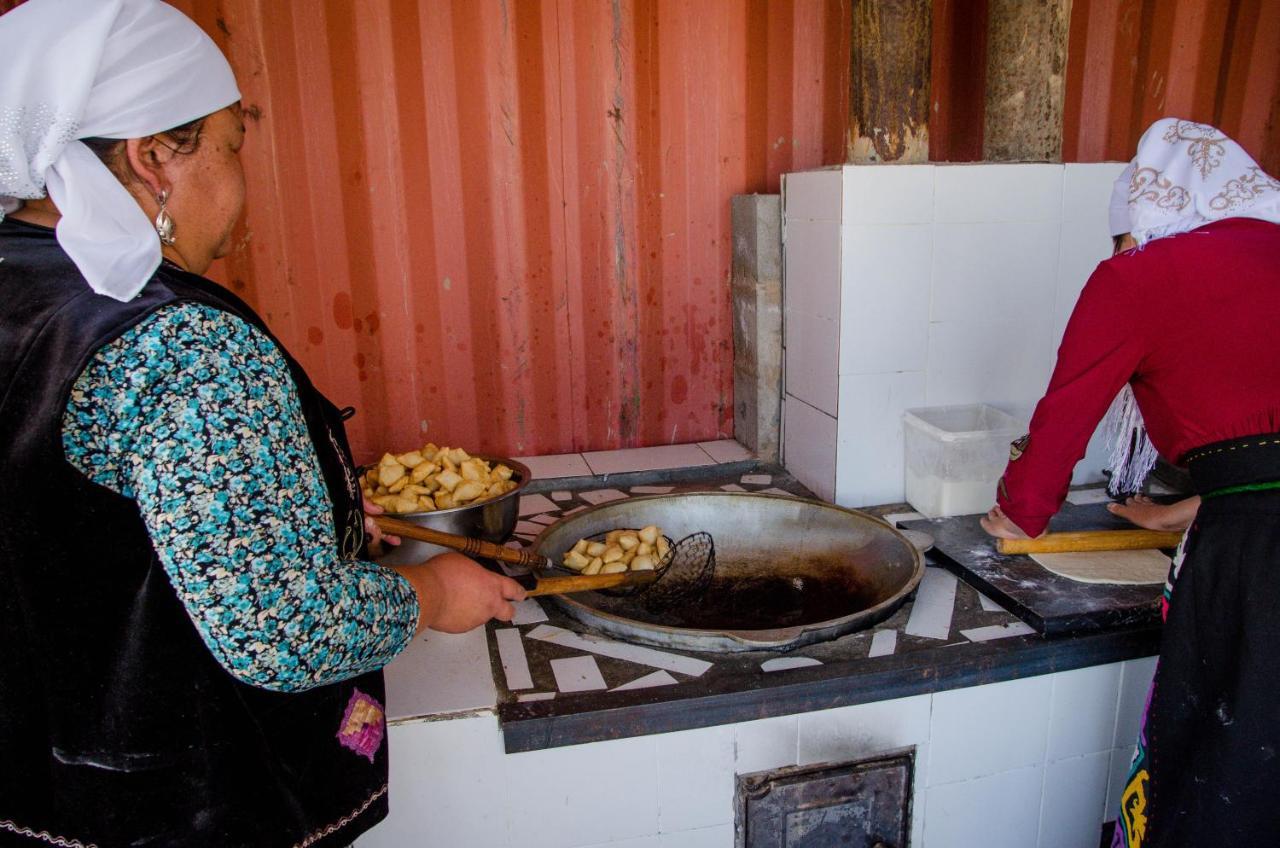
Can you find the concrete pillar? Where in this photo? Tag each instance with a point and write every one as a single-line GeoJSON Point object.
{"type": "Point", "coordinates": [1026, 79]}
{"type": "Point", "coordinates": [756, 292]}
{"type": "Point", "coordinates": [889, 104]}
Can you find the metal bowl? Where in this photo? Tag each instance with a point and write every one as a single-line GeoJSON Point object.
{"type": "Point", "coordinates": [789, 571]}
{"type": "Point", "coordinates": [492, 520]}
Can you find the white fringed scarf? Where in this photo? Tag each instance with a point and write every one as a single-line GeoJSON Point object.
{"type": "Point", "coordinates": [1185, 175]}
{"type": "Point", "coordinates": [73, 69]}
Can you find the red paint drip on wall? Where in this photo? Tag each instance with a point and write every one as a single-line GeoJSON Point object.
{"type": "Point", "coordinates": [342, 310]}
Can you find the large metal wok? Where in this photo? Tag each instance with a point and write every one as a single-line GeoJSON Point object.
{"type": "Point", "coordinates": [789, 572]}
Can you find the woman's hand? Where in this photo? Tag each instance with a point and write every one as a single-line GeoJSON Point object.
{"type": "Point", "coordinates": [997, 524]}
{"type": "Point", "coordinates": [1144, 512]}
{"type": "Point", "coordinates": [371, 528]}
{"type": "Point", "coordinates": [456, 594]}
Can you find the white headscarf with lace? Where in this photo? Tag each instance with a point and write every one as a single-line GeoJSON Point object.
{"type": "Point", "coordinates": [76, 69]}
{"type": "Point", "coordinates": [1185, 175]}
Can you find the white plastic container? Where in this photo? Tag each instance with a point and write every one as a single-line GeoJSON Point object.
{"type": "Point", "coordinates": [955, 456]}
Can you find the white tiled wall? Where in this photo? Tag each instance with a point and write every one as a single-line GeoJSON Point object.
{"type": "Point", "coordinates": [926, 285]}
{"type": "Point", "coordinates": [1026, 763]}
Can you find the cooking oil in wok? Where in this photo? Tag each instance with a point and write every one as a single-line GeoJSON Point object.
{"type": "Point", "coordinates": [766, 602]}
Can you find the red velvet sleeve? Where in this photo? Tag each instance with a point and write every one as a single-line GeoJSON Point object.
{"type": "Point", "coordinates": [1100, 352]}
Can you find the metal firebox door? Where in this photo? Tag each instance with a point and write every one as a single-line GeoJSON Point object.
{"type": "Point", "coordinates": [862, 804]}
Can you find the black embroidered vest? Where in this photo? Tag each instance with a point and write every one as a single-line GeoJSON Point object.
{"type": "Point", "coordinates": [117, 726]}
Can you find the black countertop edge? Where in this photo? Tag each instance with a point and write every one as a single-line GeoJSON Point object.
{"type": "Point", "coordinates": [1094, 620]}
{"type": "Point", "coordinates": [537, 725]}
{"type": "Point", "coordinates": [686, 475]}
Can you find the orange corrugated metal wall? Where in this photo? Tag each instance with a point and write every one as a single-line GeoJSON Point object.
{"type": "Point", "coordinates": [1133, 61]}
{"type": "Point", "coordinates": [506, 224]}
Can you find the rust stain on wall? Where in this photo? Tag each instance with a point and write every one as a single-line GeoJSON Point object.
{"type": "Point", "coordinates": [1133, 61]}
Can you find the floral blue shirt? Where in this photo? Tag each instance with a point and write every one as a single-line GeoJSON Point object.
{"type": "Point", "coordinates": [193, 415]}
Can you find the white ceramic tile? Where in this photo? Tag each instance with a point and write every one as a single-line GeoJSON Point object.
{"type": "Point", "coordinates": [732, 487]}
{"type": "Point", "coordinates": [695, 786]}
{"type": "Point", "coordinates": [884, 301]}
{"type": "Point", "coordinates": [1007, 366]}
{"type": "Point", "coordinates": [720, 836]}
{"type": "Point", "coordinates": [726, 450]}
{"type": "Point", "coordinates": [1074, 792]}
{"type": "Point", "coordinates": [765, 744]}
{"type": "Point", "coordinates": [652, 490]}
{"type": "Point", "coordinates": [1117, 777]}
{"type": "Point", "coordinates": [639, 842]}
{"type": "Point", "coordinates": [756, 479]}
{"type": "Point", "coordinates": [1082, 715]}
{"type": "Point", "coordinates": [809, 447]}
{"type": "Point", "coordinates": [883, 643]}
{"type": "Point", "coordinates": [994, 273]}
{"type": "Point", "coordinates": [935, 602]}
{"type": "Point", "coordinates": [1086, 189]}
{"type": "Point", "coordinates": [444, 777]}
{"type": "Point", "coordinates": [535, 696]}
{"type": "Point", "coordinates": [556, 465]}
{"type": "Point", "coordinates": [983, 730]}
{"type": "Point", "coordinates": [647, 459]}
{"type": "Point", "coordinates": [580, 794]}
{"type": "Point", "coordinates": [515, 665]}
{"type": "Point", "coordinates": [888, 194]}
{"type": "Point", "coordinates": [811, 312]}
{"type": "Point", "coordinates": [534, 504]}
{"type": "Point", "coordinates": [997, 631]}
{"type": "Point", "coordinates": [812, 195]}
{"type": "Point", "coordinates": [783, 492]}
{"type": "Point", "coordinates": [869, 441]}
{"type": "Point", "coordinates": [894, 517]}
{"type": "Point", "coordinates": [651, 657]}
{"type": "Point", "coordinates": [998, 811]}
{"type": "Point", "coordinates": [578, 674]}
{"type": "Point", "coordinates": [848, 733]}
{"type": "Point", "coordinates": [528, 528]}
{"type": "Point", "coordinates": [441, 673]}
{"type": "Point", "coordinates": [1000, 193]}
{"type": "Point", "coordinates": [812, 283]}
{"type": "Point", "coordinates": [657, 678]}
{"type": "Point", "coordinates": [1083, 245]}
{"type": "Point", "coordinates": [546, 519]}
{"type": "Point", "coordinates": [989, 605]}
{"type": "Point", "coordinates": [528, 611]}
{"type": "Point", "coordinates": [786, 663]}
{"type": "Point", "coordinates": [1135, 682]}
{"type": "Point", "coordinates": [564, 496]}
{"type": "Point", "coordinates": [812, 361]}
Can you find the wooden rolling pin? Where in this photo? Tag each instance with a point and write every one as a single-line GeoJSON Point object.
{"type": "Point", "coordinates": [558, 585]}
{"type": "Point", "coordinates": [1090, 540]}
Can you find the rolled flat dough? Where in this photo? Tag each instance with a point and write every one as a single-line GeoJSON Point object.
{"type": "Point", "coordinates": [1108, 566]}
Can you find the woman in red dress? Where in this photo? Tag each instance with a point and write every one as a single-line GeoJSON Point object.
{"type": "Point", "coordinates": [1186, 321]}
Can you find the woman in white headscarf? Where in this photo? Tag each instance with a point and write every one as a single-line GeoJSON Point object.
{"type": "Point", "coordinates": [190, 643]}
{"type": "Point", "coordinates": [1182, 319]}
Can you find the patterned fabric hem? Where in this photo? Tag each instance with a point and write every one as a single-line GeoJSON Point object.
{"type": "Point", "coordinates": [44, 836]}
{"type": "Point", "coordinates": [342, 822]}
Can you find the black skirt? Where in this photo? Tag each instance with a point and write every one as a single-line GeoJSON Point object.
{"type": "Point", "coordinates": [1207, 767]}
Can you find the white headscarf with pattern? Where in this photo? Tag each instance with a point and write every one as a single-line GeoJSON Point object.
{"type": "Point", "coordinates": [1185, 175]}
{"type": "Point", "coordinates": [76, 69]}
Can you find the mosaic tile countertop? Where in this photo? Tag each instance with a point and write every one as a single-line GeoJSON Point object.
{"type": "Point", "coordinates": [561, 684]}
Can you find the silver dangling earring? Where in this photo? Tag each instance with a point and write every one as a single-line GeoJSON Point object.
{"type": "Point", "coordinates": [164, 221]}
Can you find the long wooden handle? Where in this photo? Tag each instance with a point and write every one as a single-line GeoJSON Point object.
{"type": "Point", "coordinates": [590, 582]}
{"type": "Point", "coordinates": [1090, 540]}
{"type": "Point", "coordinates": [465, 544]}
